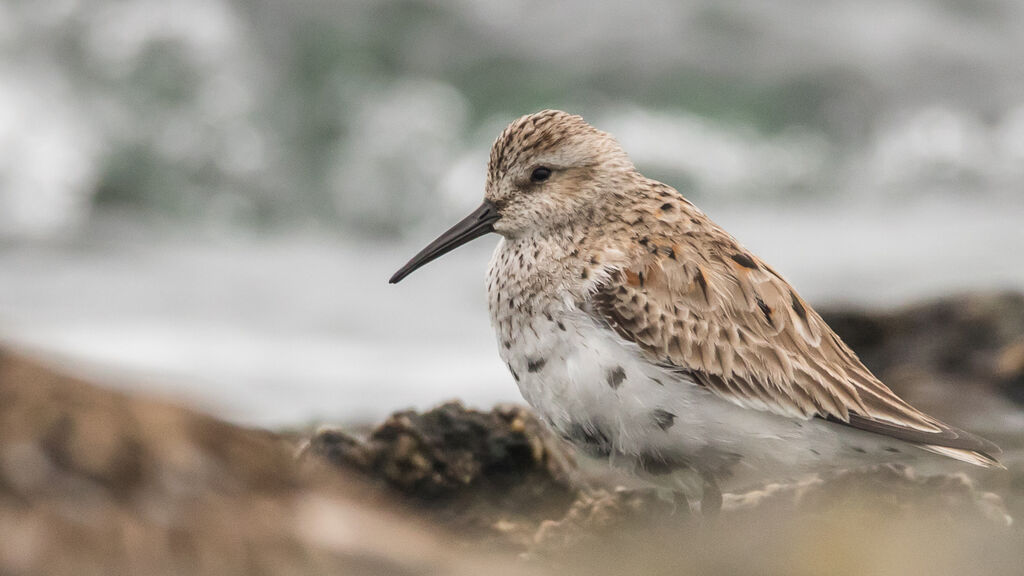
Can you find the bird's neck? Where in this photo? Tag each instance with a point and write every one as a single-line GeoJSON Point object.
{"type": "Point", "coordinates": [530, 274]}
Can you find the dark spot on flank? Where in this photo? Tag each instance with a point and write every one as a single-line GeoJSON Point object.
{"type": "Point", "coordinates": [584, 274]}
{"type": "Point", "coordinates": [798, 307]}
{"type": "Point", "coordinates": [535, 364]}
{"type": "Point", "coordinates": [745, 260]}
{"type": "Point", "coordinates": [561, 326]}
{"type": "Point", "coordinates": [658, 382]}
{"type": "Point", "coordinates": [658, 465]}
{"type": "Point", "coordinates": [513, 371]}
{"type": "Point", "coordinates": [644, 241]}
{"type": "Point", "coordinates": [616, 376]}
{"type": "Point", "coordinates": [591, 439]}
{"type": "Point", "coordinates": [548, 316]}
{"type": "Point", "coordinates": [671, 254]}
{"type": "Point", "coordinates": [667, 207]}
{"type": "Point", "coordinates": [717, 463]}
{"type": "Point", "coordinates": [663, 418]}
{"type": "Point", "coordinates": [815, 452]}
{"type": "Point", "coordinates": [858, 450]}
{"type": "Point", "coordinates": [765, 310]}
{"type": "Point", "coordinates": [506, 344]}
{"type": "Point", "coordinates": [893, 450]}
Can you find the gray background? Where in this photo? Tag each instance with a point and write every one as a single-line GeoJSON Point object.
{"type": "Point", "coordinates": [206, 197]}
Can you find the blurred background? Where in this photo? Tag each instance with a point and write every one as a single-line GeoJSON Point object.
{"type": "Point", "coordinates": [206, 197]}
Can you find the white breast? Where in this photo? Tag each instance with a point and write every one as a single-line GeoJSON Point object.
{"type": "Point", "coordinates": [602, 394]}
{"type": "Point", "coordinates": [581, 380]}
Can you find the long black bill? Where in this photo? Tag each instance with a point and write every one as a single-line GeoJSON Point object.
{"type": "Point", "coordinates": [480, 222]}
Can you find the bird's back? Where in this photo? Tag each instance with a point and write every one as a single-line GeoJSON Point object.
{"type": "Point", "coordinates": [686, 300]}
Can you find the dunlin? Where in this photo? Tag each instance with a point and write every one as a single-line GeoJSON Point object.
{"type": "Point", "coordinates": [642, 332]}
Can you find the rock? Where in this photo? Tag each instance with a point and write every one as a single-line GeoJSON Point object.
{"type": "Point", "coordinates": [1010, 370]}
{"type": "Point", "coordinates": [895, 488]}
{"type": "Point", "coordinates": [481, 472]}
{"type": "Point", "coordinates": [448, 449]}
{"type": "Point", "coordinates": [599, 515]}
{"type": "Point", "coordinates": [960, 337]}
{"type": "Point", "coordinates": [98, 482]}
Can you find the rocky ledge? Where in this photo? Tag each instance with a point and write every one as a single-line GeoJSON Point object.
{"type": "Point", "coordinates": [97, 482]}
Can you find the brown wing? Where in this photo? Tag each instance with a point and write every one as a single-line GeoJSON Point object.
{"type": "Point", "coordinates": [699, 304]}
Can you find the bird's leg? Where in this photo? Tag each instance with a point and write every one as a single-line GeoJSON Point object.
{"type": "Point", "coordinates": [668, 496]}
{"type": "Point", "coordinates": [700, 490]}
{"type": "Point", "coordinates": [711, 503]}
{"type": "Point", "coordinates": [690, 483]}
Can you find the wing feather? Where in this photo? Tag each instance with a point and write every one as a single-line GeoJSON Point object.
{"type": "Point", "coordinates": [698, 303]}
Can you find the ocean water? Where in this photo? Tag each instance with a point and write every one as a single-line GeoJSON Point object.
{"type": "Point", "coordinates": [366, 116]}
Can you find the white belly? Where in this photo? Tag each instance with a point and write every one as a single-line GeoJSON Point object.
{"type": "Point", "coordinates": [599, 393]}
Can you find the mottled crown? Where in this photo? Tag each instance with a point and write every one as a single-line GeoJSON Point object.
{"type": "Point", "coordinates": [549, 131]}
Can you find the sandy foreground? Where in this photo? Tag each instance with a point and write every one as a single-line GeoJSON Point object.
{"type": "Point", "coordinates": [95, 481]}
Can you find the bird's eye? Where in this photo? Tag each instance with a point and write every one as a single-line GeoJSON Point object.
{"type": "Point", "coordinates": [540, 174]}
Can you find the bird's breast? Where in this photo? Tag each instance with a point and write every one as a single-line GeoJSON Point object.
{"type": "Point", "coordinates": [580, 377]}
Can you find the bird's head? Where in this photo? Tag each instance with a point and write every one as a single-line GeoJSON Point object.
{"type": "Point", "coordinates": [546, 171]}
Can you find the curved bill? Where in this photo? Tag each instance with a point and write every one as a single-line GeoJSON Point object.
{"type": "Point", "coordinates": [480, 222]}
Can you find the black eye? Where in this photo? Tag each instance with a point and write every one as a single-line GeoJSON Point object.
{"type": "Point", "coordinates": [540, 174]}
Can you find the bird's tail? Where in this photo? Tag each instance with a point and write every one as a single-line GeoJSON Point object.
{"type": "Point", "coordinates": [969, 456]}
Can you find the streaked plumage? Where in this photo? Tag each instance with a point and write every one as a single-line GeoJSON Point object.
{"type": "Point", "coordinates": [642, 331]}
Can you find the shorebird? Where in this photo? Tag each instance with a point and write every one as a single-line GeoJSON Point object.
{"type": "Point", "coordinates": [642, 332]}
